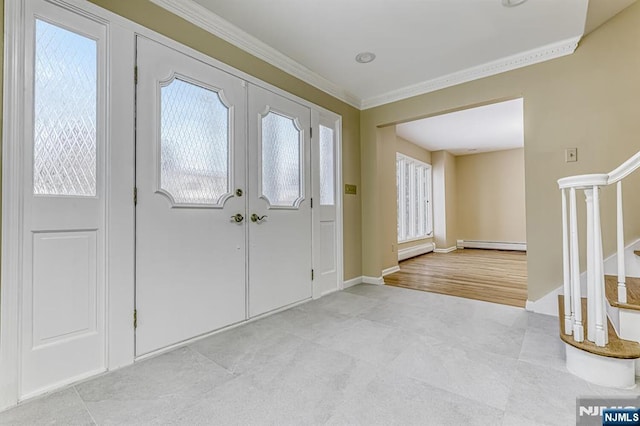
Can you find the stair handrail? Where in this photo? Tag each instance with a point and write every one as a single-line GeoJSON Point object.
{"type": "Point", "coordinates": [590, 184]}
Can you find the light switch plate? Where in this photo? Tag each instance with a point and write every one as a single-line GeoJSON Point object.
{"type": "Point", "coordinates": [571, 155]}
{"type": "Point", "coordinates": [350, 189]}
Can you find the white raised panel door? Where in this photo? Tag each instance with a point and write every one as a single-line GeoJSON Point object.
{"type": "Point", "coordinates": [280, 192]}
{"type": "Point", "coordinates": [63, 291]}
{"type": "Point", "coordinates": [190, 160]}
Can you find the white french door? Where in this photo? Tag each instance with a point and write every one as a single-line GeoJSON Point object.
{"type": "Point", "coordinates": [279, 201]}
{"type": "Point", "coordinates": [63, 269]}
{"type": "Point", "coordinates": [190, 150]}
{"type": "Point", "coordinates": [195, 210]}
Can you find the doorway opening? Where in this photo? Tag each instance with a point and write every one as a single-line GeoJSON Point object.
{"type": "Point", "coordinates": [461, 176]}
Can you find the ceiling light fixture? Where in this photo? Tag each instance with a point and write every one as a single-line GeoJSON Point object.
{"type": "Point", "coordinates": [512, 3]}
{"type": "Point", "coordinates": [365, 57]}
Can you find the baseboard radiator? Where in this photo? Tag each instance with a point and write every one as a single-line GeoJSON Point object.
{"type": "Point", "coordinates": [409, 252]}
{"type": "Point", "coordinates": [494, 245]}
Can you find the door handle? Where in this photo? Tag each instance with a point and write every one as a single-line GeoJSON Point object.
{"type": "Point", "coordinates": [237, 217]}
{"type": "Point", "coordinates": [256, 218]}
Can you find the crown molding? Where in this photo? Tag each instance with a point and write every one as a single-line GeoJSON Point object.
{"type": "Point", "coordinates": [519, 60]}
{"type": "Point", "coordinates": [214, 24]}
{"type": "Point", "coordinates": [209, 21]}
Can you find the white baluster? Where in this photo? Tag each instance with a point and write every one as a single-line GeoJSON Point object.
{"type": "Point", "coordinates": [622, 286]}
{"type": "Point", "coordinates": [578, 329]}
{"type": "Point", "coordinates": [591, 300]}
{"type": "Point", "coordinates": [566, 268]}
{"type": "Point", "coordinates": [601, 313]}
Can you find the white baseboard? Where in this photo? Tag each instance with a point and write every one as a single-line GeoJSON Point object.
{"type": "Point", "coordinates": [547, 304]}
{"type": "Point", "coordinates": [409, 252]}
{"type": "Point", "coordinates": [373, 280]}
{"type": "Point", "coordinates": [445, 250]}
{"type": "Point", "coordinates": [352, 282]}
{"type": "Point", "coordinates": [493, 245]}
{"type": "Point", "coordinates": [391, 270]}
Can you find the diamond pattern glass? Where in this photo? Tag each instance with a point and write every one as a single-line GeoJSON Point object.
{"type": "Point", "coordinates": [327, 185]}
{"type": "Point", "coordinates": [281, 167]}
{"type": "Point", "coordinates": [194, 144]}
{"type": "Point", "coordinates": [65, 110]}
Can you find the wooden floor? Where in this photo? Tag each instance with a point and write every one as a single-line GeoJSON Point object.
{"type": "Point", "coordinates": [490, 275]}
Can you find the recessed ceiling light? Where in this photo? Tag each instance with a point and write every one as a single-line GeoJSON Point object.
{"type": "Point", "coordinates": [365, 57]}
{"type": "Point", "coordinates": [512, 3]}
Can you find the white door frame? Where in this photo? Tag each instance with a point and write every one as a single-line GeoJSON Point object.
{"type": "Point", "coordinates": [119, 186]}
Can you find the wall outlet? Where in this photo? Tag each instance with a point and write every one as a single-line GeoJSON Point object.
{"type": "Point", "coordinates": [571, 155]}
{"type": "Point", "coordinates": [350, 189]}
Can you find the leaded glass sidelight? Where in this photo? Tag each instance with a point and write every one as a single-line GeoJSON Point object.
{"type": "Point", "coordinates": [65, 110]}
{"type": "Point", "coordinates": [194, 157]}
{"type": "Point", "coordinates": [281, 162]}
{"type": "Point", "coordinates": [327, 168]}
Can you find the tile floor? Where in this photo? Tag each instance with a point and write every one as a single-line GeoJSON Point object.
{"type": "Point", "coordinates": [371, 355]}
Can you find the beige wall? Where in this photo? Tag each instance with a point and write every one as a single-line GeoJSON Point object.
{"type": "Point", "coordinates": [588, 100]}
{"type": "Point", "coordinates": [146, 13]}
{"type": "Point", "coordinates": [412, 150]}
{"type": "Point", "coordinates": [445, 199]}
{"type": "Point", "coordinates": [490, 189]}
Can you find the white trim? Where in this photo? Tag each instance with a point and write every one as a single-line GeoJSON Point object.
{"type": "Point", "coordinates": [391, 270]}
{"type": "Point", "coordinates": [546, 305]}
{"type": "Point", "coordinates": [493, 245]}
{"type": "Point", "coordinates": [12, 172]}
{"type": "Point", "coordinates": [445, 250]}
{"type": "Point", "coordinates": [519, 60]}
{"type": "Point", "coordinates": [352, 282]}
{"type": "Point", "coordinates": [339, 201]}
{"type": "Point", "coordinates": [372, 280]}
{"type": "Point", "coordinates": [409, 252]}
{"type": "Point", "coordinates": [214, 24]}
{"type": "Point", "coordinates": [601, 370]}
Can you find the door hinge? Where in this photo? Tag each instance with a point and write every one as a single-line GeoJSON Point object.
{"type": "Point", "coordinates": [311, 202]}
{"type": "Point", "coordinates": [135, 195]}
{"type": "Point", "coordinates": [135, 318]}
{"type": "Point", "coordinates": [311, 132]}
{"type": "Point", "coordinates": [312, 275]}
{"type": "Point", "coordinates": [135, 75]}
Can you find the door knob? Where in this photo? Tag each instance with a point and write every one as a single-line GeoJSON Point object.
{"type": "Point", "coordinates": [237, 217]}
{"type": "Point", "coordinates": [256, 218]}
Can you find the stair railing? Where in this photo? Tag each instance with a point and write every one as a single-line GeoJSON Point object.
{"type": "Point", "coordinates": [597, 330]}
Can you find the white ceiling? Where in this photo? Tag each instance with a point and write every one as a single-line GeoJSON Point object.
{"type": "Point", "coordinates": [421, 45]}
{"type": "Point", "coordinates": [414, 40]}
{"type": "Point", "coordinates": [487, 128]}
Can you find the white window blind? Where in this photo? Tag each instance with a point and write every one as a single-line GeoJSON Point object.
{"type": "Point", "coordinates": [413, 179]}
